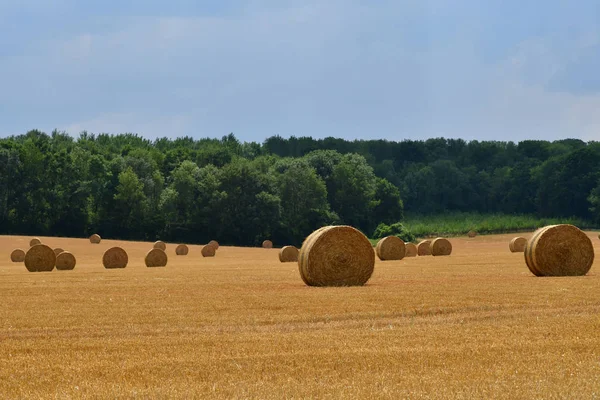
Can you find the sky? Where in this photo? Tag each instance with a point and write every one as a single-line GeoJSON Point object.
{"type": "Point", "coordinates": [380, 69]}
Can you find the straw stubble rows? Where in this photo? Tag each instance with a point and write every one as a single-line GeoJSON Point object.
{"type": "Point", "coordinates": [476, 324]}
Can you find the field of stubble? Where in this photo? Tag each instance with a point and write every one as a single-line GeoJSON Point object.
{"type": "Point", "coordinates": [476, 324]}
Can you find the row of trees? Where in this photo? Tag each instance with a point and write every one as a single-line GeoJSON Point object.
{"type": "Point", "coordinates": [190, 190]}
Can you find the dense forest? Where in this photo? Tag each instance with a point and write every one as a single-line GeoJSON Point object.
{"type": "Point", "coordinates": [188, 190]}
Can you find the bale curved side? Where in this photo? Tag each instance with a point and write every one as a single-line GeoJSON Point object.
{"type": "Point", "coordinates": [471, 234]}
{"type": "Point", "coordinates": [517, 244]}
{"type": "Point", "coordinates": [214, 243]}
{"type": "Point", "coordinates": [267, 244]}
{"type": "Point", "coordinates": [95, 239]}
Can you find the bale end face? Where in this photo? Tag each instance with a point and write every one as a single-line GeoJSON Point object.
{"type": "Point", "coordinates": [288, 254]}
{"type": "Point", "coordinates": [267, 244]}
{"type": "Point", "coordinates": [182, 250]}
{"type": "Point", "coordinates": [156, 258]}
{"type": "Point", "coordinates": [336, 256]}
{"type": "Point", "coordinates": [40, 258]}
{"type": "Point", "coordinates": [95, 239]}
{"type": "Point", "coordinates": [411, 250]}
{"type": "Point", "coordinates": [115, 257]}
{"type": "Point", "coordinates": [517, 245]}
{"type": "Point", "coordinates": [159, 244]}
{"type": "Point", "coordinates": [472, 234]}
{"type": "Point", "coordinates": [441, 247]}
{"type": "Point", "coordinates": [424, 248]}
{"type": "Point", "coordinates": [34, 241]}
{"type": "Point", "coordinates": [17, 255]}
{"type": "Point", "coordinates": [214, 243]}
{"type": "Point", "coordinates": [208, 251]}
{"type": "Point", "coordinates": [390, 248]}
{"type": "Point", "coordinates": [65, 261]}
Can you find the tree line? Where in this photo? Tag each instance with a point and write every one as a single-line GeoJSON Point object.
{"type": "Point", "coordinates": [193, 190]}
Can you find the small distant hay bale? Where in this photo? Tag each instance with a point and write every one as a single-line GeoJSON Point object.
{"type": "Point", "coordinates": [517, 245]}
{"type": "Point", "coordinates": [441, 247]}
{"type": "Point", "coordinates": [214, 243]}
{"type": "Point", "coordinates": [424, 248]}
{"type": "Point", "coordinates": [58, 250]}
{"type": "Point", "coordinates": [411, 250]}
{"type": "Point", "coordinates": [17, 255]}
{"type": "Point", "coordinates": [390, 248]}
{"type": "Point", "coordinates": [336, 256]}
{"type": "Point", "coordinates": [208, 251]}
{"type": "Point", "coordinates": [159, 244]}
{"type": "Point", "coordinates": [288, 254]}
{"type": "Point", "coordinates": [267, 244]}
{"type": "Point", "coordinates": [471, 234]}
{"type": "Point", "coordinates": [115, 257]}
{"type": "Point", "coordinates": [182, 250]}
{"type": "Point", "coordinates": [65, 261]}
{"type": "Point", "coordinates": [559, 250]}
{"type": "Point", "coordinates": [40, 258]}
{"type": "Point", "coordinates": [95, 239]}
{"type": "Point", "coordinates": [34, 241]}
{"type": "Point", "coordinates": [156, 258]}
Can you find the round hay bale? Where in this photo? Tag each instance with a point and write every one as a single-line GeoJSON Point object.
{"type": "Point", "coordinates": [214, 243]}
{"type": "Point", "coordinates": [182, 250]}
{"type": "Point", "coordinates": [559, 250]}
{"type": "Point", "coordinates": [159, 244]}
{"type": "Point", "coordinates": [472, 234]}
{"type": "Point", "coordinates": [267, 244]}
{"type": "Point", "coordinates": [115, 257]}
{"type": "Point", "coordinates": [390, 248]}
{"type": "Point", "coordinates": [336, 256]}
{"type": "Point", "coordinates": [65, 261]}
{"type": "Point", "coordinates": [288, 254]}
{"type": "Point", "coordinates": [95, 239]}
{"type": "Point", "coordinates": [411, 250]}
{"type": "Point", "coordinates": [58, 250]}
{"type": "Point", "coordinates": [424, 248]}
{"type": "Point", "coordinates": [17, 255]}
{"type": "Point", "coordinates": [208, 251]}
{"type": "Point", "coordinates": [156, 258]}
{"type": "Point", "coordinates": [34, 241]}
{"type": "Point", "coordinates": [40, 258]}
{"type": "Point", "coordinates": [517, 245]}
{"type": "Point", "coordinates": [440, 247]}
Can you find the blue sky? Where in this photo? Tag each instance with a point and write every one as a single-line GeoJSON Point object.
{"type": "Point", "coordinates": [486, 70]}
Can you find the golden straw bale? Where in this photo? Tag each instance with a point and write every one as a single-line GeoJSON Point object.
{"type": "Point", "coordinates": [424, 248]}
{"type": "Point", "coordinates": [34, 241]}
{"type": "Point", "coordinates": [17, 255]}
{"type": "Point", "coordinates": [336, 256]}
{"type": "Point", "coordinates": [159, 244]}
{"type": "Point", "coordinates": [214, 243]}
{"type": "Point", "coordinates": [182, 250]}
{"type": "Point", "coordinates": [40, 258]}
{"type": "Point", "coordinates": [208, 251]}
{"type": "Point", "coordinates": [115, 257]}
{"type": "Point", "coordinates": [441, 247]}
{"type": "Point", "coordinates": [156, 258]}
{"type": "Point", "coordinates": [559, 250]}
{"type": "Point", "coordinates": [95, 239]}
{"type": "Point", "coordinates": [390, 248]}
{"type": "Point", "coordinates": [517, 245]}
{"type": "Point", "coordinates": [288, 254]}
{"type": "Point", "coordinates": [58, 250]}
{"type": "Point", "coordinates": [267, 244]}
{"type": "Point", "coordinates": [472, 234]}
{"type": "Point", "coordinates": [65, 261]}
{"type": "Point", "coordinates": [411, 250]}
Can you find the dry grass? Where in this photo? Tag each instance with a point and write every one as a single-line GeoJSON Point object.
{"type": "Point", "coordinates": [243, 325]}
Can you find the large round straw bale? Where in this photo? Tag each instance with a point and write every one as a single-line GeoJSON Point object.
{"type": "Point", "coordinates": [95, 239]}
{"type": "Point", "coordinates": [440, 247]}
{"type": "Point", "coordinates": [208, 251]}
{"type": "Point", "coordinates": [472, 234]}
{"type": "Point", "coordinates": [288, 254]}
{"type": "Point", "coordinates": [156, 258]}
{"type": "Point", "coordinates": [58, 250]}
{"type": "Point", "coordinates": [115, 257]}
{"type": "Point", "coordinates": [517, 245]}
{"type": "Point", "coordinates": [411, 249]}
{"type": "Point", "coordinates": [424, 248]}
{"type": "Point", "coordinates": [390, 248]}
{"type": "Point", "coordinates": [336, 256]}
{"type": "Point", "coordinates": [559, 250]}
{"type": "Point", "coordinates": [40, 258]}
{"type": "Point", "coordinates": [267, 244]}
{"type": "Point", "coordinates": [34, 241]}
{"type": "Point", "coordinates": [182, 250]}
{"type": "Point", "coordinates": [65, 261]}
{"type": "Point", "coordinates": [214, 243]}
{"type": "Point", "coordinates": [17, 255]}
{"type": "Point", "coordinates": [159, 244]}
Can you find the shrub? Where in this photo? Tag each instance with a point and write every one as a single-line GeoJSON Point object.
{"type": "Point", "coordinates": [396, 229]}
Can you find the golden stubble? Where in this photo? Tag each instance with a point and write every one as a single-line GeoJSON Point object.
{"type": "Point", "coordinates": [476, 324]}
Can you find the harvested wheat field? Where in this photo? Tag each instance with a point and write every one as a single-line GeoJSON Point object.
{"type": "Point", "coordinates": [476, 324]}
